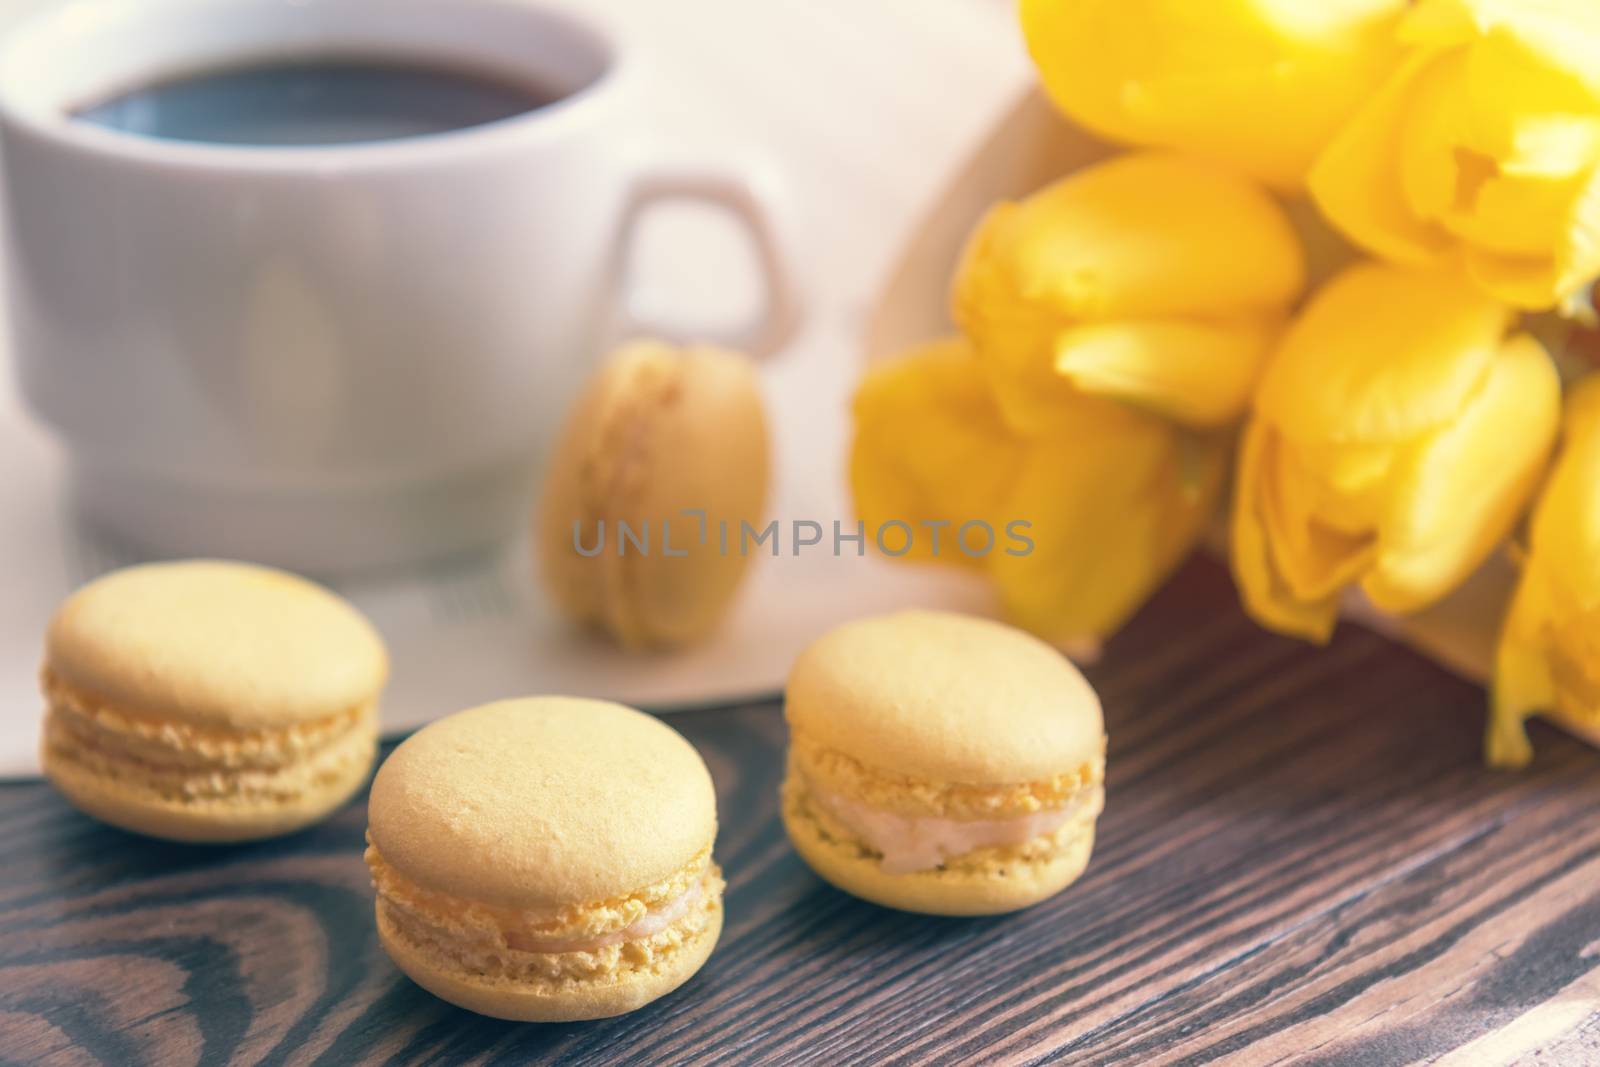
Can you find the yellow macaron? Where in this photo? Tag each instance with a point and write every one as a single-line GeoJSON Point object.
{"type": "Point", "coordinates": [640, 527]}
{"type": "Point", "coordinates": [942, 764]}
{"type": "Point", "coordinates": [546, 859]}
{"type": "Point", "coordinates": [209, 701]}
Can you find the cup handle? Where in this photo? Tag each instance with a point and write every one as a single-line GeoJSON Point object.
{"type": "Point", "coordinates": [751, 198]}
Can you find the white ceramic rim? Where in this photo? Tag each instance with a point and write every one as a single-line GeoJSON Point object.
{"type": "Point", "coordinates": [31, 51]}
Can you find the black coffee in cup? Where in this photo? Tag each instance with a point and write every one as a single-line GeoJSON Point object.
{"type": "Point", "coordinates": [316, 101]}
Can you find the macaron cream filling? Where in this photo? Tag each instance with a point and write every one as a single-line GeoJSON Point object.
{"type": "Point", "coordinates": [910, 825]}
{"type": "Point", "coordinates": [174, 758]}
{"type": "Point", "coordinates": [647, 925]}
{"type": "Point", "coordinates": [911, 843]}
{"type": "Point", "coordinates": [482, 939]}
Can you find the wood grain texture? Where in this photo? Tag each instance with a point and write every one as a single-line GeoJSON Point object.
{"type": "Point", "coordinates": [1302, 860]}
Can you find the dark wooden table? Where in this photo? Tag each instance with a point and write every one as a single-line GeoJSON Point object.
{"type": "Point", "coordinates": [1301, 860]}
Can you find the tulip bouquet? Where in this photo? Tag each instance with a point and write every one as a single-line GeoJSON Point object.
{"type": "Point", "coordinates": [1143, 332]}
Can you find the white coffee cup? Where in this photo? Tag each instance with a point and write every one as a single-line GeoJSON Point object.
{"type": "Point", "coordinates": [326, 357]}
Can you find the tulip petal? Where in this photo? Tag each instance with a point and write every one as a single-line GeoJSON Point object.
{"type": "Point", "coordinates": [1315, 558]}
{"type": "Point", "coordinates": [1573, 655]}
{"type": "Point", "coordinates": [1510, 181]}
{"type": "Point", "coordinates": [1483, 149]}
{"type": "Point", "coordinates": [1150, 237]}
{"type": "Point", "coordinates": [1110, 515]}
{"type": "Point", "coordinates": [1381, 354]}
{"type": "Point", "coordinates": [1351, 473]}
{"type": "Point", "coordinates": [1522, 684]}
{"type": "Point", "coordinates": [1112, 495]}
{"type": "Point", "coordinates": [1533, 283]}
{"type": "Point", "coordinates": [1459, 490]}
{"type": "Point", "coordinates": [1147, 235]}
{"type": "Point", "coordinates": [1355, 183]}
{"type": "Point", "coordinates": [1561, 37]}
{"type": "Point", "coordinates": [1569, 265]}
{"type": "Point", "coordinates": [1548, 660]}
{"type": "Point", "coordinates": [1552, 146]}
{"type": "Point", "coordinates": [1565, 532]}
{"type": "Point", "coordinates": [1439, 24]}
{"type": "Point", "coordinates": [930, 444]}
{"type": "Point", "coordinates": [1519, 217]}
{"type": "Point", "coordinates": [1435, 174]}
{"type": "Point", "coordinates": [1492, 173]}
{"type": "Point", "coordinates": [1261, 589]}
{"type": "Point", "coordinates": [1032, 398]}
{"type": "Point", "coordinates": [1262, 84]}
{"type": "Point", "coordinates": [1509, 78]}
{"type": "Point", "coordinates": [1199, 373]}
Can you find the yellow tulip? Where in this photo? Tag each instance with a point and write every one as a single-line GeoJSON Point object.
{"type": "Point", "coordinates": [1261, 84]}
{"type": "Point", "coordinates": [1549, 655]}
{"type": "Point", "coordinates": [1112, 498]}
{"type": "Point", "coordinates": [1397, 435]}
{"type": "Point", "coordinates": [1482, 147]}
{"type": "Point", "coordinates": [1153, 278]}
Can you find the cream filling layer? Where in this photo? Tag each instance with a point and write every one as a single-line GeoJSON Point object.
{"type": "Point", "coordinates": [649, 924]}
{"type": "Point", "coordinates": [196, 782]}
{"type": "Point", "coordinates": [911, 843]}
{"type": "Point", "coordinates": [169, 744]}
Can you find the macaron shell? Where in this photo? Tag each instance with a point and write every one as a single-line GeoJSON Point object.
{"type": "Point", "coordinates": [212, 821]}
{"type": "Point", "coordinates": [569, 1002]}
{"type": "Point", "coordinates": [990, 890]}
{"type": "Point", "coordinates": [576, 582]}
{"type": "Point", "coordinates": [216, 643]}
{"type": "Point", "coordinates": [660, 435]}
{"type": "Point", "coordinates": [542, 803]}
{"type": "Point", "coordinates": [710, 454]}
{"type": "Point", "coordinates": [945, 698]}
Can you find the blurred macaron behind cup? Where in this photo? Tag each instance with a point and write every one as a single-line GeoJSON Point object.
{"type": "Point", "coordinates": [661, 465]}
